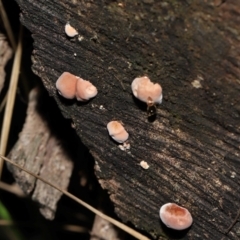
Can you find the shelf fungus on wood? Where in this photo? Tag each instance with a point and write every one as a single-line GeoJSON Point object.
{"type": "Point", "coordinates": [175, 216]}
{"type": "Point", "coordinates": [148, 92]}
{"type": "Point", "coordinates": [85, 90]}
{"type": "Point", "coordinates": [66, 85]}
{"type": "Point", "coordinates": [71, 86]}
{"type": "Point", "coordinates": [117, 131]}
{"type": "Point", "coordinates": [70, 31]}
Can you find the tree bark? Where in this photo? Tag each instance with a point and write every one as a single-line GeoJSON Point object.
{"type": "Point", "coordinates": [5, 55]}
{"type": "Point", "coordinates": [191, 48]}
{"type": "Point", "coordinates": [40, 150]}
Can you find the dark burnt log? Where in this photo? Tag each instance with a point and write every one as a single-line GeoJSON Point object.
{"type": "Point", "coordinates": [191, 48]}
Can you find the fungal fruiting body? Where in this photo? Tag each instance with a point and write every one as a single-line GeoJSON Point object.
{"type": "Point", "coordinates": [85, 90]}
{"type": "Point", "coordinates": [66, 85]}
{"type": "Point", "coordinates": [70, 31]}
{"type": "Point", "coordinates": [144, 165]}
{"type": "Point", "coordinates": [71, 86]}
{"type": "Point", "coordinates": [148, 92]}
{"type": "Point", "coordinates": [117, 131]}
{"type": "Point", "coordinates": [175, 217]}
{"type": "Point", "coordinates": [143, 89]}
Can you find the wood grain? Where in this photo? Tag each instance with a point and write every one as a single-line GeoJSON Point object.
{"type": "Point", "coordinates": [193, 146]}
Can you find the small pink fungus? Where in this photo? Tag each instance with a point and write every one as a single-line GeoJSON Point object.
{"type": "Point", "coordinates": [143, 89]}
{"type": "Point", "coordinates": [175, 217]}
{"type": "Point", "coordinates": [66, 85]}
{"type": "Point", "coordinates": [70, 31]}
{"type": "Point", "coordinates": [85, 90]}
{"type": "Point", "coordinates": [117, 131]}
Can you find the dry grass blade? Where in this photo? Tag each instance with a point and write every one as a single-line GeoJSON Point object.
{"type": "Point", "coordinates": [14, 189]}
{"type": "Point", "coordinates": [10, 99]}
{"type": "Point", "coordinates": [86, 205]}
{"type": "Point", "coordinates": [7, 25]}
{"type": "Point", "coordinates": [66, 227]}
{"type": "Point", "coordinates": [3, 103]}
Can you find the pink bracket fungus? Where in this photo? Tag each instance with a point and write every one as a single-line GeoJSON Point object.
{"type": "Point", "coordinates": [70, 31]}
{"type": "Point", "coordinates": [144, 165]}
{"type": "Point", "coordinates": [85, 90]}
{"type": "Point", "coordinates": [143, 89]}
{"type": "Point", "coordinates": [175, 217]}
{"type": "Point", "coordinates": [148, 92]}
{"type": "Point", "coordinates": [66, 85]}
{"type": "Point", "coordinates": [117, 131]}
{"type": "Point", "coordinates": [71, 86]}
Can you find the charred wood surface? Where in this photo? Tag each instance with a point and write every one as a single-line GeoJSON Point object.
{"type": "Point", "coordinates": [191, 48]}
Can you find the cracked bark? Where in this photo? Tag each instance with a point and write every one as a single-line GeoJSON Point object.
{"type": "Point", "coordinates": [5, 55]}
{"type": "Point", "coordinates": [42, 152]}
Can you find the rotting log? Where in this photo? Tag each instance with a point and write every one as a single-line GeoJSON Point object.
{"type": "Point", "coordinates": [191, 48]}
